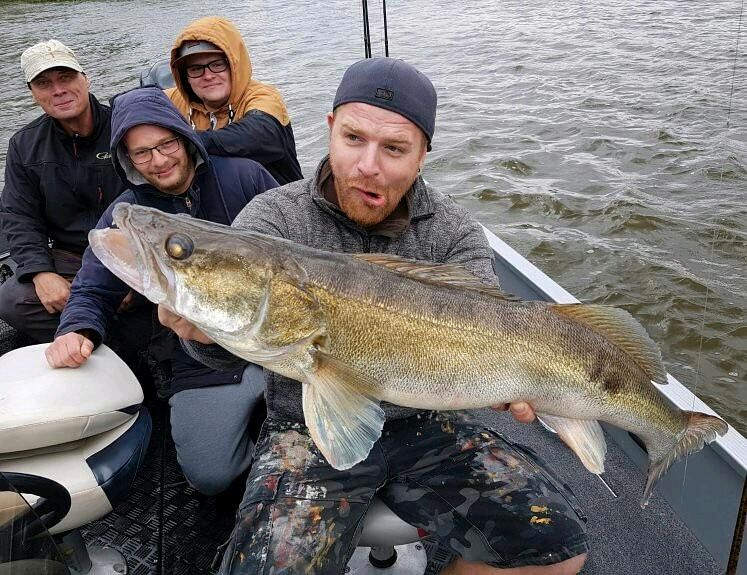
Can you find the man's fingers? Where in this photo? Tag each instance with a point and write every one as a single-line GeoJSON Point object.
{"type": "Point", "coordinates": [166, 317]}
{"type": "Point", "coordinates": [53, 291]}
{"type": "Point", "coordinates": [87, 348]}
{"type": "Point", "coordinates": [49, 307]}
{"type": "Point", "coordinates": [181, 327]}
{"type": "Point", "coordinates": [69, 350]}
{"type": "Point", "coordinates": [58, 356]}
{"type": "Point", "coordinates": [73, 356]}
{"type": "Point", "coordinates": [126, 303]}
{"type": "Point", "coordinates": [51, 354]}
{"type": "Point", "coordinates": [522, 412]}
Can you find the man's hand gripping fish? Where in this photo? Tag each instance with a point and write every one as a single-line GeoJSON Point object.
{"type": "Point", "coordinates": [358, 329]}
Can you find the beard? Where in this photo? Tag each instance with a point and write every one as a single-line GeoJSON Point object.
{"type": "Point", "coordinates": [179, 181]}
{"type": "Point", "coordinates": [355, 207]}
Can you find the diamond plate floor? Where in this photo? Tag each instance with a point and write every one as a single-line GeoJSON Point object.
{"type": "Point", "coordinates": [177, 534]}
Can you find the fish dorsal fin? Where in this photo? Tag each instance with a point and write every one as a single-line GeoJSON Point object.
{"type": "Point", "coordinates": [434, 273]}
{"type": "Point", "coordinates": [623, 330]}
{"type": "Point", "coordinates": [341, 411]}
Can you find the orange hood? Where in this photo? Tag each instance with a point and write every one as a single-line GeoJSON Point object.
{"type": "Point", "coordinates": [246, 93]}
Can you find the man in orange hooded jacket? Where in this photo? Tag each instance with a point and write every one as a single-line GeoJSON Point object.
{"type": "Point", "coordinates": [234, 114]}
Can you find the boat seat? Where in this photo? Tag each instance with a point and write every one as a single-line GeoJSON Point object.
{"type": "Point", "coordinates": [382, 531]}
{"type": "Point", "coordinates": [83, 428]}
{"type": "Point", "coordinates": [41, 406]}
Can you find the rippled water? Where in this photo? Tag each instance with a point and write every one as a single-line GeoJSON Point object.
{"type": "Point", "coordinates": [592, 136]}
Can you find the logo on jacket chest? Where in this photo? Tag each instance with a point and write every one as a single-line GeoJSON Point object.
{"type": "Point", "coordinates": [103, 156]}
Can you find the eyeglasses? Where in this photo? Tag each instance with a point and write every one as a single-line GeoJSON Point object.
{"type": "Point", "coordinates": [216, 66]}
{"type": "Point", "coordinates": [145, 155]}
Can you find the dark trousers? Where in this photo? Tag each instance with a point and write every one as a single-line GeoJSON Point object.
{"type": "Point", "coordinates": [20, 306]}
{"type": "Point", "coordinates": [481, 496]}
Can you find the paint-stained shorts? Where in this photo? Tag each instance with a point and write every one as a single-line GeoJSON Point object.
{"type": "Point", "coordinates": [483, 497]}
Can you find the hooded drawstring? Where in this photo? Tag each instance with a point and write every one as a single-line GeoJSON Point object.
{"type": "Point", "coordinates": [213, 118]}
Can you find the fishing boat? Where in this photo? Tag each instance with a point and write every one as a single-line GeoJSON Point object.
{"type": "Point", "coordinates": [115, 501]}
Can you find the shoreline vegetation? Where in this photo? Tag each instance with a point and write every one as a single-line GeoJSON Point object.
{"type": "Point", "coordinates": [7, 2]}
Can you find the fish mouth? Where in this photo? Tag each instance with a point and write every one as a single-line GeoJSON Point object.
{"type": "Point", "coordinates": [130, 259]}
{"type": "Point", "coordinates": [116, 252]}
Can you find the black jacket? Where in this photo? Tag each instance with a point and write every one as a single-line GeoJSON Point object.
{"type": "Point", "coordinates": [57, 186]}
{"type": "Point", "coordinates": [262, 138]}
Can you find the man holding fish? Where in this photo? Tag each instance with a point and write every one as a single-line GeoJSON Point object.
{"type": "Point", "coordinates": [489, 501]}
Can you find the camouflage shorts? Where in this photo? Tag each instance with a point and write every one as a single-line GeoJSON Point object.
{"type": "Point", "coordinates": [483, 497]}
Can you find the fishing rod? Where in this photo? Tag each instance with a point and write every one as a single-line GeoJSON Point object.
{"type": "Point", "coordinates": [367, 30]}
{"type": "Point", "coordinates": [739, 527]}
{"type": "Point", "coordinates": [386, 35]}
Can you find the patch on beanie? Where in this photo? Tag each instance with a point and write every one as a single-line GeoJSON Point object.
{"type": "Point", "coordinates": [384, 94]}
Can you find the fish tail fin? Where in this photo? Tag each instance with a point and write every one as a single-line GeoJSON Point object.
{"type": "Point", "coordinates": [701, 429]}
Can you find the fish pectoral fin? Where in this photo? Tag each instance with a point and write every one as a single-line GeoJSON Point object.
{"type": "Point", "coordinates": [342, 414]}
{"type": "Point", "coordinates": [584, 436]}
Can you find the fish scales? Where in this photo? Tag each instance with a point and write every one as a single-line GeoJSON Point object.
{"type": "Point", "coordinates": [380, 326]}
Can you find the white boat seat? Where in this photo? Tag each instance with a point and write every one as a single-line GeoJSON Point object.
{"type": "Point", "coordinates": [97, 471]}
{"type": "Point", "coordinates": [383, 528]}
{"type": "Point", "coordinates": [41, 406]}
{"type": "Point", "coordinates": [83, 428]}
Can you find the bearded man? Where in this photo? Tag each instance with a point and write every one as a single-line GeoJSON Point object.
{"type": "Point", "coordinates": [368, 196]}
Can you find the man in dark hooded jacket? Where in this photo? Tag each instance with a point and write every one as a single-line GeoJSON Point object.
{"type": "Point", "coordinates": [165, 166]}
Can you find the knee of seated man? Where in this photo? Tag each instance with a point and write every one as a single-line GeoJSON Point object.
{"type": "Point", "coordinates": [209, 480]}
{"type": "Point", "coordinates": [9, 301]}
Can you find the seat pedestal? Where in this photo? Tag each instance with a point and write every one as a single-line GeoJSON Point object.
{"type": "Point", "coordinates": [411, 560]}
{"type": "Point", "coordinates": [90, 560]}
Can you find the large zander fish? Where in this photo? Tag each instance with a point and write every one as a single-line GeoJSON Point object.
{"type": "Point", "coordinates": [357, 329]}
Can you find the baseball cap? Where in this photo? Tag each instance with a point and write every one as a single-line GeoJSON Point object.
{"type": "Point", "coordinates": [190, 47]}
{"type": "Point", "coordinates": [46, 55]}
{"type": "Point", "coordinates": [394, 85]}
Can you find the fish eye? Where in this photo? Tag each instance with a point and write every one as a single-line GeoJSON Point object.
{"type": "Point", "coordinates": [179, 246]}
